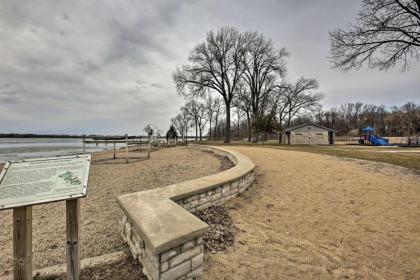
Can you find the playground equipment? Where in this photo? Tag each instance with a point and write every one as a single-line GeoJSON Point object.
{"type": "Point", "coordinates": [370, 137]}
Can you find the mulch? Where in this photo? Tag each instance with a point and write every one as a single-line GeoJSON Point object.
{"type": "Point", "coordinates": [222, 231]}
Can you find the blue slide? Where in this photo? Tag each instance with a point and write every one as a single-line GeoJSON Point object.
{"type": "Point", "coordinates": [378, 141]}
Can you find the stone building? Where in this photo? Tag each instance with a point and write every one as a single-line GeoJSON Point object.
{"type": "Point", "coordinates": [308, 134]}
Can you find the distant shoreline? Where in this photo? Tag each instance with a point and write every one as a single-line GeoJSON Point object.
{"type": "Point", "coordinates": [30, 135]}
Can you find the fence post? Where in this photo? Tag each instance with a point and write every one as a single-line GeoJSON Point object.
{"type": "Point", "coordinates": [114, 150]}
{"type": "Point", "coordinates": [126, 148]}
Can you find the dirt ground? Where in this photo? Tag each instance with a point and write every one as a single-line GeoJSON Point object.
{"type": "Point", "coordinates": [126, 268]}
{"type": "Point", "coordinates": [312, 216]}
{"type": "Point", "coordinates": [99, 211]}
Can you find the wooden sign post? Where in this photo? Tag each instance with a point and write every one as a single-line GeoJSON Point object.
{"type": "Point", "coordinates": [72, 234]}
{"type": "Point", "coordinates": [22, 243]}
{"type": "Point", "coordinates": [39, 181]}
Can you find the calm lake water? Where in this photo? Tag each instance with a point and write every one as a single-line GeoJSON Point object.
{"type": "Point", "coordinates": [22, 148]}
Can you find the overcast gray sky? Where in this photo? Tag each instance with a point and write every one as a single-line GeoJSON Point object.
{"type": "Point", "coordinates": [105, 66]}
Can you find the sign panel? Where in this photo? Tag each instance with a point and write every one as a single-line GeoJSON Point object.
{"type": "Point", "coordinates": [44, 180]}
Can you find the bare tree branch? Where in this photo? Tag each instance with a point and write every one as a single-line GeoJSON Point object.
{"type": "Point", "coordinates": [386, 32]}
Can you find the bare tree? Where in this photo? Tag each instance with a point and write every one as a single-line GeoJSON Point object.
{"type": "Point", "coordinates": [181, 122]}
{"type": "Point", "coordinates": [212, 106]}
{"type": "Point", "coordinates": [217, 113]}
{"type": "Point", "coordinates": [198, 114]}
{"type": "Point", "coordinates": [386, 32]}
{"type": "Point", "coordinates": [243, 102]}
{"type": "Point", "coordinates": [412, 116]}
{"type": "Point", "coordinates": [202, 119]}
{"type": "Point", "coordinates": [278, 107]}
{"type": "Point", "coordinates": [191, 108]}
{"type": "Point", "coordinates": [177, 123]}
{"type": "Point", "coordinates": [264, 67]}
{"type": "Point", "coordinates": [300, 97]}
{"type": "Point", "coordinates": [215, 65]}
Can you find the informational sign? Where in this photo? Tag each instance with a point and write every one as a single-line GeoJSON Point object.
{"type": "Point", "coordinates": [44, 180]}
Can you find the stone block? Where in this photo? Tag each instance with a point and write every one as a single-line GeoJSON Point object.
{"type": "Point", "coordinates": [197, 261]}
{"type": "Point", "coordinates": [191, 198]}
{"type": "Point", "coordinates": [204, 206]}
{"type": "Point", "coordinates": [216, 196]}
{"type": "Point", "coordinates": [169, 254]}
{"type": "Point", "coordinates": [177, 271]}
{"type": "Point", "coordinates": [226, 191]}
{"type": "Point", "coordinates": [164, 266]}
{"type": "Point", "coordinates": [149, 270]}
{"type": "Point", "coordinates": [123, 219]}
{"type": "Point", "coordinates": [174, 261]}
{"type": "Point", "coordinates": [194, 203]}
{"type": "Point", "coordinates": [153, 260]}
{"type": "Point", "coordinates": [128, 230]}
{"type": "Point", "coordinates": [196, 273]}
{"type": "Point", "coordinates": [187, 245]}
{"type": "Point", "coordinates": [204, 200]}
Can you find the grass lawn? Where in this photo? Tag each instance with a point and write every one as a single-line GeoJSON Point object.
{"type": "Point", "coordinates": [405, 157]}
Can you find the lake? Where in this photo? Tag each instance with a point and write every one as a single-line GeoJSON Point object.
{"type": "Point", "coordinates": [22, 148]}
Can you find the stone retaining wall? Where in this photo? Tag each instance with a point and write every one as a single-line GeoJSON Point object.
{"type": "Point", "coordinates": [217, 195]}
{"type": "Point", "coordinates": [185, 261]}
{"type": "Point", "coordinates": [165, 238]}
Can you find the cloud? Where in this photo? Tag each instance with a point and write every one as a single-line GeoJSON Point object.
{"type": "Point", "coordinates": [105, 66]}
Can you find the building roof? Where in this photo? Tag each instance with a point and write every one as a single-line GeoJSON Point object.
{"type": "Point", "coordinates": [305, 124]}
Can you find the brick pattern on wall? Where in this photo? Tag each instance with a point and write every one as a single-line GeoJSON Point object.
{"type": "Point", "coordinates": [309, 138]}
{"type": "Point", "coordinates": [184, 261]}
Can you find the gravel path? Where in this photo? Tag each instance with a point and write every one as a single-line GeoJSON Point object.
{"type": "Point", "coordinates": [312, 216]}
{"type": "Point", "coordinates": [99, 211]}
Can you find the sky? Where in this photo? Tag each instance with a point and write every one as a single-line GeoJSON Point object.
{"type": "Point", "coordinates": [105, 67]}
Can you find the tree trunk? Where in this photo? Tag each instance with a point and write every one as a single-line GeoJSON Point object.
{"type": "Point", "coordinates": [186, 134]}
{"type": "Point", "coordinates": [254, 132]}
{"type": "Point", "coordinates": [210, 130]}
{"type": "Point", "coordinates": [215, 128]}
{"type": "Point", "coordinates": [227, 129]}
{"type": "Point", "coordinates": [248, 118]}
{"type": "Point", "coordinates": [238, 124]}
{"type": "Point", "coordinates": [196, 131]}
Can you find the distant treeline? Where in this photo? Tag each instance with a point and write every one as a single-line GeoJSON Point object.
{"type": "Point", "coordinates": [350, 118]}
{"type": "Point", "coordinates": [347, 119]}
